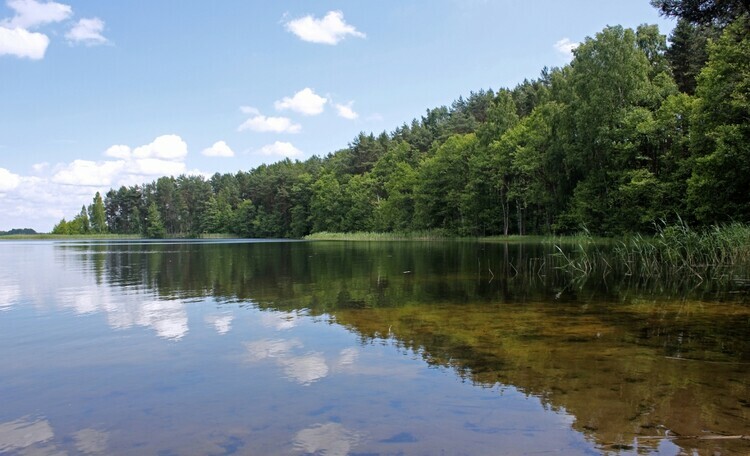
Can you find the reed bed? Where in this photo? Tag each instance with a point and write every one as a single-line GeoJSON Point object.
{"type": "Point", "coordinates": [675, 252]}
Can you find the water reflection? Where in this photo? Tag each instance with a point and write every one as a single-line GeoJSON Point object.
{"type": "Point", "coordinates": [331, 439]}
{"type": "Point", "coordinates": [280, 320]}
{"type": "Point", "coordinates": [22, 433]}
{"type": "Point", "coordinates": [603, 367]}
{"type": "Point", "coordinates": [166, 317]}
{"type": "Point", "coordinates": [222, 323]}
{"type": "Point", "coordinates": [9, 295]}
{"type": "Point", "coordinates": [91, 441]}
{"type": "Point", "coordinates": [35, 437]}
{"type": "Point", "coordinates": [304, 369]}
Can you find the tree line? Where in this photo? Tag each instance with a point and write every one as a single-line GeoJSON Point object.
{"type": "Point", "coordinates": [635, 129]}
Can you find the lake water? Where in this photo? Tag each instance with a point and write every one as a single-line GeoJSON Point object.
{"type": "Point", "coordinates": [335, 348]}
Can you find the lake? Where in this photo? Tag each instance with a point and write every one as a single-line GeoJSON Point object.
{"type": "Point", "coordinates": [361, 348]}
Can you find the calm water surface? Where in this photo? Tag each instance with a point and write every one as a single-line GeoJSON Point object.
{"type": "Point", "coordinates": [211, 348]}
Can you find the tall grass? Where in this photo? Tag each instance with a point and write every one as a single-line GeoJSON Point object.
{"type": "Point", "coordinates": [721, 252]}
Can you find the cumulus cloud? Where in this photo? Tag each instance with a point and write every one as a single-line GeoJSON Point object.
{"type": "Point", "coordinates": [283, 149]}
{"type": "Point", "coordinates": [167, 147]}
{"type": "Point", "coordinates": [331, 29]}
{"type": "Point", "coordinates": [306, 102]}
{"type": "Point", "coordinates": [263, 124]}
{"type": "Point", "coordinates": [31, 13]}
{"type": "Point", "coordinates": [8, 180]}
{"type": "Point", "coordinates": [89, 173]}
{"type": "Point", "coordinates": [22, 43]}
{"type": "Point", "coordinates": [566, 46]}
{"type": "Point", "coordinates": [118, 151]}
{"type": "Point", "coordinates": [88, 32]}
{"type": "Point", "coordinates": [219, 149]}
{"type": "Point", "coordinates": [346, 111]}
{"type": "Point", "coordinates": [163, 156]}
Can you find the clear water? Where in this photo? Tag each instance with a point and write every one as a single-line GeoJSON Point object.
{"type": "Point", "coordinates": [211, 348]}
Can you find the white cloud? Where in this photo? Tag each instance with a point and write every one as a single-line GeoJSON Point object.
{"type": "Point", "coordinates": [88, 32]}
{"type": "Point", "coordinates": [118, 151]}
{"type": "Point", "coordinates": [219, 149]}
{"type": "Point", "coordinates": [565, 46]}
{"type": "Point", "coordinates": [22, 43]}
{"type": "Point", "coordinates": [167, 147]}
{"type": "Point", "coordinates": [261, 123]}
{"type": "Point", "coordinates": [346, 111]}
{"type": "Point", "coordinates": [89, 173]}
{"type": "Point", "coordinates": [31, 13]}
{"type": "Point", "coordinates": [283, 149]}
{"type": "Point", "coordinates": [306, 102]}
{"type": "Point", "coordinates": [8, 180]}
{"type": "Point", "coordinates": [329, 30]}
{"type": "Point", "coordinates": [162, 157]}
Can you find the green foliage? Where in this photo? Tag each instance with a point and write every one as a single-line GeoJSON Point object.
{"type": "Point", "coordinates": [18, 232]}
{"type": "Point", "coordinates": [97, 215]}
{"type": "Point", "coordinates": [703, 11]}
{"type": "Point", "coordinates": [721, 131]}
{"type": "Point", "coordinates": [154, 224]}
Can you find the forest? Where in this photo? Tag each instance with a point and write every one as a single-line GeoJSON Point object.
{"type": "Point", "coordinates": [637, 129]}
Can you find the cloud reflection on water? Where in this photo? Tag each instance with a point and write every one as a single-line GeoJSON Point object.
{"type": "Point", "coordinates": [127, 309]}
{"type": "Point", "coordinates": [304, 369]}
{"type": "Point", "coordinates": [21, 433]}
{"type": "Point", "coordinates": [222, 323]}
{"type": "Point", "coordinates": [28, 437]}
{"type": "Point", "coordinates": [9, 295]}
{"type": "Point", "coordinates": [279, 320]}
{"type": "Point", "coordinates": [331, 439]}
{"type": "Point", "coordinates": [91, 441]}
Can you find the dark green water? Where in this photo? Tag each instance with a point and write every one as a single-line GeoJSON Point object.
{"type": "Point", "coordinates": [181, 348]}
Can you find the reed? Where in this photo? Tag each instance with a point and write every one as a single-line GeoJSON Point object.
{"type": "Point", "coordinates": [674, 252]}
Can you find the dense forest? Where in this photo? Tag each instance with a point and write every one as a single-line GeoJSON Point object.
{"type": "Point", "coordinates": [637, 128]}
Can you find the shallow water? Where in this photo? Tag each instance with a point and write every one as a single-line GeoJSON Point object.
{"type": "Point", "coordinates": [341, 348]}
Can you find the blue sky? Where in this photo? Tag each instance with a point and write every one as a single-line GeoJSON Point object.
{"type": "Point", "coordinates": [95, 94]}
